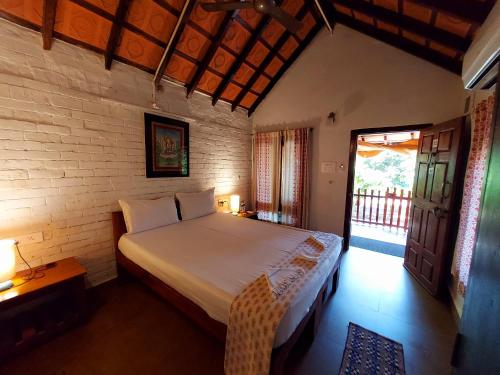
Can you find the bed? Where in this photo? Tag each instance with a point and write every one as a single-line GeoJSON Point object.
{"type": "Point", "coordinates": [200, 265]}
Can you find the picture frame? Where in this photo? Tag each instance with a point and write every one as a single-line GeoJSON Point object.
{"type": "Point", "coordinates": [167, 146]}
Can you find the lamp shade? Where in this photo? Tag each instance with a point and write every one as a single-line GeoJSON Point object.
{"type": "Point", "coordinates": [7, 260]}
{"type": "Point", "coordinates": [234, 203]}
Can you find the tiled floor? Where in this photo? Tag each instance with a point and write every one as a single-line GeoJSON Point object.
{"type": "Point", "coordinates": [134, 332]}
{"type": "Point", "coordinates": [376, 292]}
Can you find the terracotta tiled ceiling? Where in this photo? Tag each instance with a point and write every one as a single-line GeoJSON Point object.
{"type": "Point", "coordinates": [233, 56]}
{"type": "Point", "coordinates": [238, 56]}
{"type": "Point", "coordinates": [439, 31]}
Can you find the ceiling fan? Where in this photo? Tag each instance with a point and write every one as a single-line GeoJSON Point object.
{"type": "Point", "coordinates": [263, 6]}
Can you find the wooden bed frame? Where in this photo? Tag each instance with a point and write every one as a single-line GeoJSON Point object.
{"type": "Point", "coordinates": [307, 327]}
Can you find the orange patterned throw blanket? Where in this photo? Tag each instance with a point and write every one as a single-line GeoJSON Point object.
{"type": "Point", "coordinates": [257, 311]}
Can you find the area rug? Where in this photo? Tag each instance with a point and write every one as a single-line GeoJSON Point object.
{"type": "Point", "coordinates": [378, 246]}
{"type": "Point", "coordinates": [368, 353]}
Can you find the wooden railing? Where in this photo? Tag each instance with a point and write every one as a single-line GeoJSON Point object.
{"type": "Point", "coordinates": [390, 209]}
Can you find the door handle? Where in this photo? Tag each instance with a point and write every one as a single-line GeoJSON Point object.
{"type": "Point", "coordinates": [439, 212]}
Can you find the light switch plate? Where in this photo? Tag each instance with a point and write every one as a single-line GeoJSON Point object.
{"type": "Point", "coordinates": [328, 167]}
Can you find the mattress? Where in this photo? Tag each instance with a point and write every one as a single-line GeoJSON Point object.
{"type": "Point", "coordinates": [211, 259]}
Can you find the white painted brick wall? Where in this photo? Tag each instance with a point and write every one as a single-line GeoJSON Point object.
{"type": "Point", "coordinates": [72, 144]}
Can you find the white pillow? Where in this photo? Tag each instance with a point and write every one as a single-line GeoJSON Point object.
{"type": "Point", "coordinates": [194, 205]}
{"type": "Point", "coordinates": [141, 215]}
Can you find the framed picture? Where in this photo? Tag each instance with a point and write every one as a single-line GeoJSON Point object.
{"type": "Point", "coordinates": [167, 147]}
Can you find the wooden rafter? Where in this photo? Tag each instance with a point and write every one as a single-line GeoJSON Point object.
{"type": "Point", "coordinates": [260, 38]}
{"type": "Point", "coordinates": [398, 41]}
{"type": "Point", "coordinates": [317, 14]}
{"type": "Point", "coordinates": [241, 58]}
{"type": "Point", "coordinates": [326, 10]}
{"type": "Point", "coordinates": [408, 23]}
{"type": "Point", "coordinates": [93, 8]}
{"type": "Point", "coordinates": [270, 56]}
{"type": "Point", "coordinates": [285, 66]}
{"type": "Point", "coordinates": [469, 10]}
{"type": "Point", "coordinates": [395, 40]}
{"type": "Point", "coordinates": [249, 28]}
{"type": "Point", "coordinates": [116, 30]}
{"type": "Point", "coordinates": [434, 14]}
{"type": "Point", "coordinates": [49, 17]}
{"type": "Point", "coordinates": [202, 67]}
{"type": "Point", "coordinates": [257, 73]}
{"type": "Point", "coordinates": [435, 49]}
{"type": "Point", "coordinates": [164, 4]}
{"type": "Point", "coordinates": [174, 39]}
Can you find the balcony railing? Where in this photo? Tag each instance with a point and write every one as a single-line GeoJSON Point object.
{"type": "Point", "coordinates": [390, 209]}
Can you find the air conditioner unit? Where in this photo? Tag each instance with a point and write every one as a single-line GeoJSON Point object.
{"type": "Point", "coordinates": [480, 65]}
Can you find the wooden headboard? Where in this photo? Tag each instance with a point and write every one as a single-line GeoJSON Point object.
{"type": "Point", "coordinates": [119, 227]}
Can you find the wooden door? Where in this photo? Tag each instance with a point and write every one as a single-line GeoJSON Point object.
{"type": "Point", "coordinates": [477, 347]}
{"type": "Point", "coordinates": [437, 178]}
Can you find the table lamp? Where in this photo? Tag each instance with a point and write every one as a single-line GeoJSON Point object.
{"type": "Point", "coordinates": [7, 263]}
{"type": "Point", "coordinates": [234, 203]}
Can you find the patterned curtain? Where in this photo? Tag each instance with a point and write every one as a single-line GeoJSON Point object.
{"type": "Point", "coordinates": [295, 178]}
{"type": "Point", "coordinates": [473, 187]}
{"type": "Point", "coordinates": [266, 175]}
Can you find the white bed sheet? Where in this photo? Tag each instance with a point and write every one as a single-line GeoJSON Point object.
{"type": "Point", "coordinates": [211, 259]}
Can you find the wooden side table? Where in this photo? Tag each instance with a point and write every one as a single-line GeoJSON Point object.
{"type": "Point", "coordinates": [248, 215]}
{"type": "Point", "coordinates": [34, 311]}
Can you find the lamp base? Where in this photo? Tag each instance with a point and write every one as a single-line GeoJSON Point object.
{"type": "Point", "coordinates": [6, 285]}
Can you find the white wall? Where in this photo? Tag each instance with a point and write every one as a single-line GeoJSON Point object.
{"type": "Point", "coordinates": [368, 84]}
{"type": "Point", "coordinates": [72, 143]}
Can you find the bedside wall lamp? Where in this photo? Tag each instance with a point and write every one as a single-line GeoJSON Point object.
{"type": "Point", "coordinates": [7, 263]}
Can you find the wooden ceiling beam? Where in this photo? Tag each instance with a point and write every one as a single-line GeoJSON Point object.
{"type": "Point", "coordinates": [202, 67]}
{"type": "Point", "coordinates": [261, 39]}
{"type": "Point", "coordinates": [116, 31]}
{"type": "Point", "coordinates": [241, 58]}
{"type": "Point", "coordinates": [165, 5]}
{"type": "Point", "coordinates": [468, 10]}
{"type": "Point", "coordinates": [89, 6]}
{"type": "Point", "coordinates": [49, 17]}
{"type": "Point", "coordinates": [174, 39]}
{"type": "Point", "coordinates": [395, 40]}
{"type": "Point", "coordinates": [285, 67]}
{"type": "Point", "coordinates": [20, 21]}
{"type": "Point", "coordinates": [426, 30]}
{"type": "Point", "coordinates": [270, 56]}
{"type": "Point", "coordinates": [327, 12]}
{"type": "Point", "coordinates": [249, 28]}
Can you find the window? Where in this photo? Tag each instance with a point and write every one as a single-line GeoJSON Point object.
{"type": "Point", "coordinates": [281, 176]}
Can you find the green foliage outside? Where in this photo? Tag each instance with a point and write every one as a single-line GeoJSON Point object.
{"type": "Point", "coordinates": [388, 169]}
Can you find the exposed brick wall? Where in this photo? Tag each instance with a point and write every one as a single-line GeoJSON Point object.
{"type": "Point", "coordinates": [72, 143]}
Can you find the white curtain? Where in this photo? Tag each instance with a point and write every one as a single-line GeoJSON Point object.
{"type": "Point", "coordinates": [280, 183]}
{"type": "Point", "coordinates": [267, 175]}
{"type": "Point", "coordinates": [295, 177]}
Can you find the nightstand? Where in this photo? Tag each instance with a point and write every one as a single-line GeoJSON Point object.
{"type": "Point", "coordinates": [34, 311]}
{"type": "Point", "coordinates": [248, 215]}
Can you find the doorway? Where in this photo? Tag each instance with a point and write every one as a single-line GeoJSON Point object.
{"type": "Point", "coordinates": [379, 189]}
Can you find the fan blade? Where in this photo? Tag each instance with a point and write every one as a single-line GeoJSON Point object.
{"type": "Point", "coordinates": [234, 5]}
{"type": "Point", "coordinates": [284, 18]}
